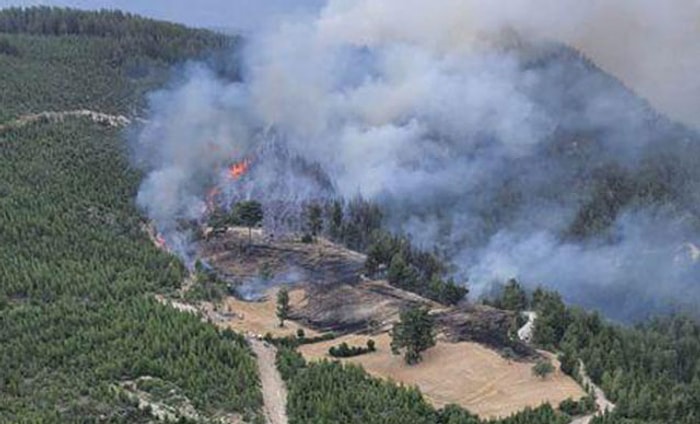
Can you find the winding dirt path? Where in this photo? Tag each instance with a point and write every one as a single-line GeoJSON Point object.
{"type": "Point", "coordinates": [99, 117]}
{"type": "Point", "coordinates": [602, 402]}
{"type": "Point", "coordinates": [273, 388]}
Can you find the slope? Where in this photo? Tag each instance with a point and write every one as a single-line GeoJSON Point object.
{"type": "Point", "coordinates": [78, 325]}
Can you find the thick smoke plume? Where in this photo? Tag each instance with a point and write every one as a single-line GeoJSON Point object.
{"type": "Point", "coordinates": [476, 129]}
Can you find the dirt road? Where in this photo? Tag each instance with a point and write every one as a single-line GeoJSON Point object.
{"type": "Point", "coordinates": [99, 117]}
{"type": "Point", "coordinates": [602, 402]}
{"type": "Point", "coordinates": [273, 389]}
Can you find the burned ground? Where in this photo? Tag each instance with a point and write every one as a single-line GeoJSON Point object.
{"type": "Point", "coordinates": [336, 295]}
{"type": "Point", "coordinates": [266, 261]}
{"type": "Point", "coordinates": [485, 325]}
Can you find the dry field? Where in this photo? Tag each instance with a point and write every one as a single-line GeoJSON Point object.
{"type": "Point", "coordinates": [256, 317]}
{"type": "Point", "coordinates": [464, 373]}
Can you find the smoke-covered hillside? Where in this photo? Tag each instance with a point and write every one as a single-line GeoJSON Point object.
{"type": "Point", "coordinates": [515, 156]}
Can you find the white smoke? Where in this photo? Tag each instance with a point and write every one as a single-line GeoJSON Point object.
{"type": "Point", "coordinates": [447, 112]}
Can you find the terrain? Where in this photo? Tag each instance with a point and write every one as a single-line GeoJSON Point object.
{"type": "Point", "coordinates": [81, 338]}
{"type": "Point", "coordinates": [101, 322]}
{"type": "Point", "coordinates": [330, 293]}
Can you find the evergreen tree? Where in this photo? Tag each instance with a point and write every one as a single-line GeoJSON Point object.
{"type": "Point", "coordinates": [414, 333]}
{"type": "Point", "coordinates": [543, 368]}
{"type": "Point", "coordinates": [283, 307]}
{"type": "Point", "coordinates": [250, 214]}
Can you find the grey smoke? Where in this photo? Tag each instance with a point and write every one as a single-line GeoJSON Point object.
{"type": "Point", "coordinates": [472, 126]}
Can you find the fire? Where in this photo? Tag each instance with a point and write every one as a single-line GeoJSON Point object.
{"type": "Point", "coordinates": [238, 169]}
{"type": "Point", "coordinates": [160, 241]}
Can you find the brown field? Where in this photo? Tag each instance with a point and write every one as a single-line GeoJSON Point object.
{"type": "Point", "coordinates": [464, 373]}
{"type": "Point", "coordinates": [256, 317]}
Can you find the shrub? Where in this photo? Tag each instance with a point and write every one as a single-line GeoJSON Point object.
{"type": "Point", "coordinates": [343, 350]}
{"type": "Point", "coordinates": [543, 368]}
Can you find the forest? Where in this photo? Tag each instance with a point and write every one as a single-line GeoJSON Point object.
{"type": "Point", "coordinates": [58, 59]}
{"type": "Point", "coordinates": [651, 370]}
{"type": "Point", "coordinates": [77, 273]}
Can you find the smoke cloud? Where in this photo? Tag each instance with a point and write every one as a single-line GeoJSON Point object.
{"type": "Point", "coordinates": [470, 122]}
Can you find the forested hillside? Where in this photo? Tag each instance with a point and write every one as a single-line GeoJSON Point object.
{"type": "Point", "coordinates": [651, 371]}
{"type": "Point", "coordinates": [58, 59]}
{"type": "Point", "coordinates": [78, 322]}
{"type": "Point", "coordinates": [82, 338]}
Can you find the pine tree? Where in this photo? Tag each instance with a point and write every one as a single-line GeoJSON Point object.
{"type": "Point", "coordinates": [414, 333]}
{"type": "Point", "coordinates": [283, 307]}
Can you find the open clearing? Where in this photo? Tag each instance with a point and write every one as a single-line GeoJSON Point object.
{"type": "Point", "coordinates": [259, 317]}
{"type": "Point", "coordinates": [464, 373]}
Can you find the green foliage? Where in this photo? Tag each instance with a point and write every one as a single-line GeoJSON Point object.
{"type": "Point", "coordinates": [283, 307]}
{"type": "Point", "coordinates": [345, 351]}
{"type": "Point", "coordinates": [291, 342]}
{"type": "Point", "coordinates": [249, 214]}
{"type": "Point", "coordinates": [512, 298]}
{"type": "Point", "coordinates": [574, 408]}
{"type": "Point", "coordinates": [553, 318]}
{"type": "Point", "coordinates": [412, 269]}
{"type": "Point", "coordinates": [104, 61]}
{"type": "Point", "coordinates": [568, 362]}
{"type": "Point", "coordinates": [207, 286]}
{"type": "Point", "coordinates": [371, 345]}
{"type": "Point", "coordinates": [543, 368]}
{"type": "Point", "coordinates": [314, 219]}
{"type": "Point", "coordinates": [78, 274]}
{"type": "Point", "coordinates": [330, 392]}
{"type": "Point", "coordinates": [136, 35]}
{"type": "Point", "coordinates": [651, 371]}
{"type": "Point", "coordinates": [414, 333]}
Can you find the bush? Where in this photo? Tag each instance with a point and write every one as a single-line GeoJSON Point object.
{"type": "Point", "coordinates": [574, 408]}
{"type": "Point", "coordinates": [345, 351]}
{"type": "Point", "coordinates": [543, 368]}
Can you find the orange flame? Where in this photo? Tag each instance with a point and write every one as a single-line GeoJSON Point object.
{"type": "Point", "coordinates": [238, 169]}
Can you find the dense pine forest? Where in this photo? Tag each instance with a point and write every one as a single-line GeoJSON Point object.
{"type": "Point", "coordinates": [77, 319]}
{"type": "Point", "coordinates": [651, 371]}
{"type": "Point", "coordinates": [58, 59]}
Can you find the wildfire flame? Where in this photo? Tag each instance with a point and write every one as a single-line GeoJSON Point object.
{"type": "Point", "coordinates": [238, 169]}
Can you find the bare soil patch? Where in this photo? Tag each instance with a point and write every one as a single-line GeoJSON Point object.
{"type": "Point", "coordinates": [258, 317]}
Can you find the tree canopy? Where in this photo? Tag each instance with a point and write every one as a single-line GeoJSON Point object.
{"type": "Point", "coordinates": [414, 333]}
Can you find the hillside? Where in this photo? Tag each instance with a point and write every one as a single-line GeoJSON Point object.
{"type": "Point", "coordinates": [107, 315]}
{"type": "Point", "coordinates": [81, 337]}
{"type": "Point", "coordinates": [53, 59]}
{"type": "Point", "coordinates": [477, 363]}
